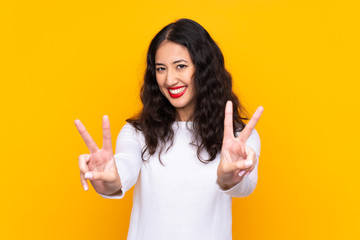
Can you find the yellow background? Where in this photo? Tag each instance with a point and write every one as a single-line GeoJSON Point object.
{"type": "Point", "coordinates": [62, 60]}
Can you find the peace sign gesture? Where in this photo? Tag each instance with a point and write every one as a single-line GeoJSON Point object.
{"type": "Point", "coordinates": [237, 159]}
{"type": "Point", "coordinates": [98, 166]}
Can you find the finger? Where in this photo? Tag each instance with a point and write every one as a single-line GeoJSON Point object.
{"type": "Point", "coordinates": [252, 156]}
{"type": "Point", "coordinates": [244, 164]}
{"type": "Point", "coordinates": [83, 181]}
{"type": "Point", "coordinates": [86, 136]}
{"type": "Point", "coordinates": [106, 134]}
{"type": "Point", "coordinates": [83, 160]}
{"type": "Point", "coordinates": [228, 121]}
{"type": "Point", "coordinates": [250, 153]}
{"type": "Point", "coordinates": [245, 133]}
{"type": "Point", "coordinates": [104, 176]}
{"type": "Point", "coordinates": [250, 170]}
{"type": "Point", "coordinates": [241, 173]}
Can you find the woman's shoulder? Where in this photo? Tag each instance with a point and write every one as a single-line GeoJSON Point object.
{"type": "Point", "coordinates": [128, 127]}
{"type": "Point", "coordinates": [128, 130]}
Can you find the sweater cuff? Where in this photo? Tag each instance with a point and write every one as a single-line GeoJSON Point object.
{"type": "Point", "coordinates": [117, 196]}
{"type": "Point", "coordinates": [233, 190]}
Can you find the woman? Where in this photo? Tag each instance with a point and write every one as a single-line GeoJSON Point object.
{"type": "Point", "coordinates": [180, 151]}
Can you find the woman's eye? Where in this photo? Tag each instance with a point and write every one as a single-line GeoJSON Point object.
{"type": "Point", "coordinates": [160, 69]}
{"type": "Point", "coordinates": [180, 66]}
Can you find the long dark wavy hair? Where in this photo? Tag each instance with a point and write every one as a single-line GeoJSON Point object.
{"type": "Point", "coordinates": [213, 88]}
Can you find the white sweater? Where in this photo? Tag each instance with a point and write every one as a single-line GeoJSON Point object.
{"type": "Point", "coordinates": [180, 200]}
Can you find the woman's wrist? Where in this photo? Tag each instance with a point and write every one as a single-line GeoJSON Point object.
{"type": "Point", "coordinates": [112, 188]}
{"type": "Point", "coordinates": [118, 192]}
{"type": "Point", "coordinates": [225, 185]}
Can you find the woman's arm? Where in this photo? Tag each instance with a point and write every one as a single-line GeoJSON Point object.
{"type": "Point", "coordinates": [239, 155]}
{"type": "Point", "coordinates": [98, 166]}
{"type": "Point", "coordinates": [249, 181]}
{"type": "Point", "coordinates": [128, 159]}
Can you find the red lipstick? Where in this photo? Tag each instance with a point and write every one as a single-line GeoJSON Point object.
{"type": "Point", "coordinates": [177, 94]}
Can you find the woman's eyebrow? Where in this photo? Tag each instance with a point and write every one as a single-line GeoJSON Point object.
{"type": "Point", "coordinates": [181, 60]}
{"type": "Point", "coordinates": [177, 61]}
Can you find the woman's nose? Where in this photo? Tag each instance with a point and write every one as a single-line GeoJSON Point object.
{"type": "Point", "coordinates": [171, 78]}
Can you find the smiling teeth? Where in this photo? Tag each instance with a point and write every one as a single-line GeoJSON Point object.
{"type": "Point", "coordinates": [177, 91]}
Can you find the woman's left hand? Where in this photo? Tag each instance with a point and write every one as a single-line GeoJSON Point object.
{"type": "Point", "coordinates": [237, 159]}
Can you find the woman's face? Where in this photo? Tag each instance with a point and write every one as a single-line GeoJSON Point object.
{"type": "Point", "coordinates": [175, 77]}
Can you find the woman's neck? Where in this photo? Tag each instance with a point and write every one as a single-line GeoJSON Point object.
{"type": "Point", "coordinates": [183, 117]}
{"type": "Point", "coordinates": [184, 114]}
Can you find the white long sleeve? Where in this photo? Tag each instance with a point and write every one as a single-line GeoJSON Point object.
{"type": "Point", "coordinates": [127, 158]}
{"type": "Point", "coordinates": [180, 199]}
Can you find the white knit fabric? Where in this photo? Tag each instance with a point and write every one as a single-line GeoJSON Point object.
{"type": "Point", "coordinates": [181, 199]}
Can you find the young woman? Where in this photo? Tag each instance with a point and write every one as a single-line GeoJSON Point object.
{"type": "Point", "coordinates": [188, 152]}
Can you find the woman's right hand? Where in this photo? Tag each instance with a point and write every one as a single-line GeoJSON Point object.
{"type": "Point", "coordinates": [99, 166]}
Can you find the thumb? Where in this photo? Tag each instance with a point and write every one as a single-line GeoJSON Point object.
{"type": "Point", "coordinates": [103, 176]}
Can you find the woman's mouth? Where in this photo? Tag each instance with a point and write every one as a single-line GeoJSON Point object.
{"type": "Point", "coordinates": [177, 92]}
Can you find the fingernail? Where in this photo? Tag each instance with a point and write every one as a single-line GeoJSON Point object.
{"type": "Point", "coordinates": [241, 173]}
{"type": "Point", "coordinates": [248, 163]}
{"type": "Point", "coordinates": [85, 187]}
{"type": "Point", "coordinates": [106, 117]}
{"type": "Point", "coordinates": [247, 174]}
{"type": "Point", "coordinates": [88, 175]}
